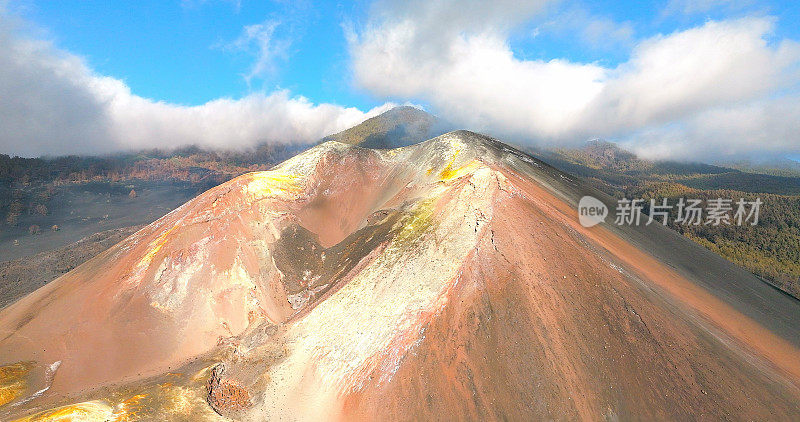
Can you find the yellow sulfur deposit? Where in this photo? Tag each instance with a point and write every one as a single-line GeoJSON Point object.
{"type": "Point", "coordinates": [265, 184]}
{"type": "Point", "coordinates": [13, 381]}
{"type": "Point", "coordinates": [89, 411]}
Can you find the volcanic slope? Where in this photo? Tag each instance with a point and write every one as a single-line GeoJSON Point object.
{"type": "Point", "coordinates": [445, 280]}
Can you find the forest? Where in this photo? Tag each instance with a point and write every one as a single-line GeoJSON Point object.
{"type": "Point", "coordinates": [770, 249]}
{"type": "Point", "coordinates": [28, 184]}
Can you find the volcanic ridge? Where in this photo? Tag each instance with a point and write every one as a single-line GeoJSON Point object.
{"type": "Point", "coordinates": [444, 280]}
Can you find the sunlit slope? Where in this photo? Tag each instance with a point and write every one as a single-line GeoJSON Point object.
{"type": "Point", "coordinates": [449, 279]}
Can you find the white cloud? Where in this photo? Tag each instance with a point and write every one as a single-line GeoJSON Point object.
{"type": "Point", "coordinates": [466, 70]}
{"type": "Point", "coordinates": [469, 74]}
{"type": "Point", "coordinates": [603, 31]}
{"type": "Point", "coordinates": [671, 77]}
{"type": "Point", "coordinates": [761, 128]}
{"type": "Point", "coordinates": [52, 103]}
{"type": "Point", "coordinates": [260, 41]}
{"type": "Point", "coordinates": [597, 32]}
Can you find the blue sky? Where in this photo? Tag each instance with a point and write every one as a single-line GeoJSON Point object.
{"type": "Point", "coordinates": [583, 69]}
{"type": "Point", "coordinates": [176, 50]}
{"type": "Point", "coordinates": [180, 51]}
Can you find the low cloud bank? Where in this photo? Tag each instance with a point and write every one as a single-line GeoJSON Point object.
{"type": "Point", "coordinates": [52, 103]}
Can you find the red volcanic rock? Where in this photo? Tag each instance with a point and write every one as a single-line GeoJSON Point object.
{"type": "Point", "coordinates": [449, 279]}
{"type": "Point", "coordinates": [225, 395]}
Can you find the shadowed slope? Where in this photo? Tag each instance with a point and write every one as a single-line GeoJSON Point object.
{"type": "Point", "coordinates": [22, 276]}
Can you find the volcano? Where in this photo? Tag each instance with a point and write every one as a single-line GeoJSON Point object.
{"type": "Point", "coordinates": [445, 280]}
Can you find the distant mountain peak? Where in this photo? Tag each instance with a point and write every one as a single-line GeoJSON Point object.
{"type": "Point", "coordinates": [401, 126]}
{"type": "Point", "coordinates": [600, 148]}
